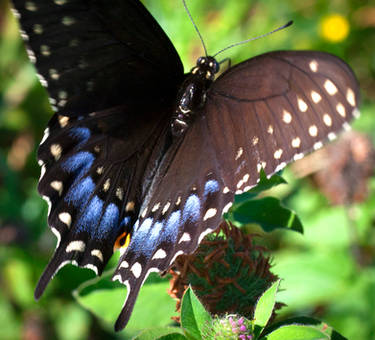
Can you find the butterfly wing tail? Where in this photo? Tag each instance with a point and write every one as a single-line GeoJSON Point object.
{"type": "Point", "coordinates": [57, 262]}
{"type": "Point", "coordinates": [133, 284]}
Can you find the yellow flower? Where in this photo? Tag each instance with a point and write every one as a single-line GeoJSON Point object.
{"type": "Point", "coordinates": [334, 28]}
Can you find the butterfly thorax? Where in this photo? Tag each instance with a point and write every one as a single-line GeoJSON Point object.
{"type": "Point", "coordinates": [192, 94]}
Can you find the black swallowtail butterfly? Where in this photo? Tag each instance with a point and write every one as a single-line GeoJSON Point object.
{"type": "Point", "coordinates": [141, 157]}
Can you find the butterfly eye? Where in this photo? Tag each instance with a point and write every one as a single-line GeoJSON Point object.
{"type": "Point", "coordinates": [122, 241]}
{"type": "Point", "coordinates": [201, 61]}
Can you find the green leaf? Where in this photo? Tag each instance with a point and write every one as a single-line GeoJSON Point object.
{"type": "Point", "coordinates": [268, 213]}
{"type": "Point", "coordinates": [161, 333]}
{"type": "Point", "coordinates": [265, 306]}
{"type": "Point", "coordinates": [194, 317]}
{"type": "Point", "coordinates": [296, 332]}
{"type": "Point", "coordinates": [307, 321]}
{"type": "Point", "coordinates": [105, 298]}
{"type": "Point", "coordinates": [263, 185]}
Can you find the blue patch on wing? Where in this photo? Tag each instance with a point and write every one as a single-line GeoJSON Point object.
{"type": "Point", "coordinates": [79, 163]}
{"type": "Point", "coordinates": [109, 221]}
{"type": "Point", "coordinates": [171, 227]}
{"type": "Point", "coordinates": [191, 209]}
{"type": "Point", "coordinates": [80, 192]}
{"type": "Point", "coordinates": [80, 133]}
{"type": "Point", "coordinates": [90, 216]}
{"type": "Point", "coordinates": [125, 222]}
{"type": "Point", "coordinates": [140, 238]}
{"type": "Point", "coordinates": [211, 187]}
{"type": "Point", "coordinates": [155, 232]}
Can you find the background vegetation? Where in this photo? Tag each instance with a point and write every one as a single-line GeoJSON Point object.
{"type": "Point", "coordinates": [327, 273]}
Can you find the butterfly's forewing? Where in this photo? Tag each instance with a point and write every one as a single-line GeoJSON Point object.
{"type": "Point", "coordinates": [272, 109]}
{"type": "Point", "coordinates": [263, 113]}
{"type": "Point", "coordinates": [91, 55]}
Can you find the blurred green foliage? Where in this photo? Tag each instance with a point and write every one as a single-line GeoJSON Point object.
{"type": "Point", "coordinates": [327, 273]}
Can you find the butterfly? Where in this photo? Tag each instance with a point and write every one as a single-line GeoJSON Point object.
{"type": "Point", "coordinates": [143, 158]}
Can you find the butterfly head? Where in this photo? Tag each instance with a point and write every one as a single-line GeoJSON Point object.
{"type": "Point", "coordinates": [207, 67]}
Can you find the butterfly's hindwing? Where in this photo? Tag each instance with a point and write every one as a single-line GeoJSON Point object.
{"type": "Point", "coordinates": [92, 177]}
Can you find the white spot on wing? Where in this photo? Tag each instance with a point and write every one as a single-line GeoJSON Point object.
{"type": "Point", "coordinates": [30, 6]}
{"type": "Point", "coordinates": [68, 21]}
{"type": "Point", "coordinates": [38, 29]}
{"type": "Point", "coordinates": [53, 74]}
{"type": "Point", "coordinates": [287, 117]}
{"type": "Point", "coordinates": [209, 213]}
{"type": "Point", "coordinates": [155, 207]}
{"type": "Point", "coordinates": [124, 264]}
{"type": "Point", "coordinates": [270, 129]}
{"type": "Point", "coordinates": [106, 185]}
{"type": "Point", "coordinates": [160, 254]}
{"type": "Point", "coordinates": [327, 119]}
{"type": "Point", "coordinates": [296, 142]}
{"type": "Point", "coordinates": [298, 156]}
{"type": "Point", "coordinates": [302, 105]}
{"type": "Point", "coordinates": [330, 87]}
{"type": "Point", "coordinates": [129, 206]}
{"type": "Point", "coordinates": [56, 150]}
{"type": "Point", "coordinates": [185, 238]}
{"type": "Point", "coordinates": [136, 269]}
{"type": "Point", "coordinates": [97, 253]}
{"type": "Point", "coordinates": [45, 50]}
{"type": "Point", "coordinates": [119, 193]}
{"type": "Point", "coordinates": [332, 136]}
{"type": "Point", "coordinates": [58, 186]}
{"type": "Point", "coordinates": [166, 207]}
{"type": "Point", "coordinates": [178, 200]}
{"type": "Point", "coordinates": [225, 190]}
{"type": "Point", "coordinates": [278, 153]}
{"type": "Point", "coordinates": [76, 246]}
{"type": "Point", "coordinates": [350, 97]}
{"type": "Point", "coordinates": [341, 110]}
{"type": "Point", "coordinates": [63, 121]}
{"type": "Point", "coordinates": [65, 218]}
{"type": "Point", "coordinates": [313, 65]}
{"type": "Point", "coordinates": [255, 140]}
{"type": "Point", "coordinates": [239, 153]}
{"type": "Point", "coordinates": [313, 131]}
{"type": "Point", "coordinates": [317, 145]}
{"type": "Point", "coordinates": [315, 96]}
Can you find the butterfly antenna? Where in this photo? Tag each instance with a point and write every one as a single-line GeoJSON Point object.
{"type": "Point", "coordinates": [195, 26]}
{"type": "Point", "coordinates": [256, 38]}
